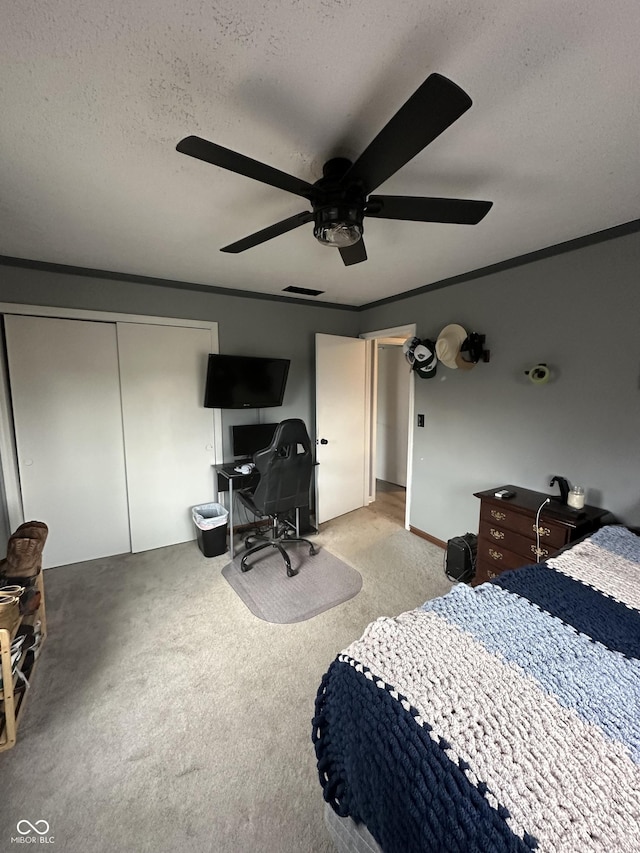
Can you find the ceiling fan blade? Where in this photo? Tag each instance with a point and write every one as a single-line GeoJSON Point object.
{"type": "Point", "coordinates": [201, 149]}
{"type": "Point", "coordinates": [456, 210]}
{"type": "Point", "coordinates": [428, 112]}
{"type": "Point", "coordinates": [354, 254]}
{"type": "Point", "coordinates": [270, 232]}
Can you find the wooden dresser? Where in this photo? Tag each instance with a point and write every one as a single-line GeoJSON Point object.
{"type": "Point", "coordinates": [507, 531]}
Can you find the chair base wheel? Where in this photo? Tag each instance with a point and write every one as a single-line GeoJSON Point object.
{"type": "Point", "coordinates": [256, 542]}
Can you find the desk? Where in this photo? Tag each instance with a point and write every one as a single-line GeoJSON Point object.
{"type": "Point", "coordinates": [228, 479]}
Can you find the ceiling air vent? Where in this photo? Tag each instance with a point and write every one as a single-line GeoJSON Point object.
{"type": "Point", "coordinates": [303, 291]}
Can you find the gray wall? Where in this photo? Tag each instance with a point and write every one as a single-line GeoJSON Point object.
{"type": "Point", "coordinates": [246, 326]}
{"type": "Point", "coordinates": [487, 427]}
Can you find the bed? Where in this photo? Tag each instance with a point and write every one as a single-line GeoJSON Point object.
{"type": "Point", "coordinates": [504, 717]}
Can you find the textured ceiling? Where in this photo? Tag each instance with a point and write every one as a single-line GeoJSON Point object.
{"type": "Point", "coordinates": [94, 98]}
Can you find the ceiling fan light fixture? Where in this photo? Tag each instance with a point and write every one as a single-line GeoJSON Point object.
{"type": "Point", "coordinates": [338, 234]}
{"type": "Point", "coordinates": [338, 227]}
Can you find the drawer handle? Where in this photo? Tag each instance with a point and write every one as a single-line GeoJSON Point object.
{"type": "Point", "coordinates": [539, 552]}
{"type": "Point", "coordinates": [497, 534]}
{"type": "Point", "coordinates": [491, 574]}
{"type": "Point", "coordinates": [541, 531]}
{"type": "Point", "coordinates": [499, 516]}
{"type": "Point", "coordinates": [496, 555]}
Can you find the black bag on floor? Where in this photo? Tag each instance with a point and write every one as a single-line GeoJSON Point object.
{"type": "Point", "coordinates": [460, 563]}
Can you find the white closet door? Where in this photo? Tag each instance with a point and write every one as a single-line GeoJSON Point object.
{"type": "Point", "coordinates": [66, 405]}
{"type": "Point", "coordinates": [169, 445]}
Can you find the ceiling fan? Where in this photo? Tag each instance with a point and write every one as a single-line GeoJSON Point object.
{"type": "Point", "coordinates": [341, 198]}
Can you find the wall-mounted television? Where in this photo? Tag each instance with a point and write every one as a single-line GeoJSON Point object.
{"type": "Point", "coordinates": [245, 382]}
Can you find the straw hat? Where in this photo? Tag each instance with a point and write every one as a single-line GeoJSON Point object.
{"type": "Point", "coordinates": [448, 346]}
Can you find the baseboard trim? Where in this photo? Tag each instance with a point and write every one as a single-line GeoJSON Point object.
{"type": "Point", "coordinates": [248, 525]}
{"type": "Point", "coordinates": [428, 537]}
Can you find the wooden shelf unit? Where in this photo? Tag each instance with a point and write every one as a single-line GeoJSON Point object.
{"type": "Point", "coordinates": [12, 701]}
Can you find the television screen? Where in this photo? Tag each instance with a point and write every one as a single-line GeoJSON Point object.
{"type": "Point", "coordinates": [248, 438]}
{"type": "Point", "coordinates": [245, 382]}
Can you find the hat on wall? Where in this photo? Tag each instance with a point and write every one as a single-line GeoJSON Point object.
{"type": "Point", "coordinates": [408, 348]}
{"type": "Point", "coordinates": [448, 346]}
{"type": "Point", "coordinates": [426, 362]}
{"type": "Point", "coordinates": [472, 348]}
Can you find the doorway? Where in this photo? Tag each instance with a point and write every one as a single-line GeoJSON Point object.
{"type": "Point", "coordinates": [392, 440]}
{"type": "Point", "coordinates": [390, 423]}
{"type": "Point", "coordinates": [346, 445]}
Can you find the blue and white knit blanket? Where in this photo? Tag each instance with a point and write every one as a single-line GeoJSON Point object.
{"type": "Point", "coordinates": [500, 718]}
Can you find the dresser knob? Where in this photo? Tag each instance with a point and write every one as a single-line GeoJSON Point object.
{"type": "Point", "coordinates": [496, 555]}
{"type": "Point", "coordinates": [539, 552]}
{"type": "Point", "coordinates": [497, 534]}
{"type": "Point", "coordinates": [541, 531]}
{"type": "Point", "coordinates": [499, 516]}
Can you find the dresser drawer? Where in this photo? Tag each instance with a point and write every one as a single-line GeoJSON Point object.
{"type": "Point", "coordinates": [504, 518]}
{"type": "Point", "coordinates": [486, 572]}
{"type": "Point", "coordinates": [524, 546]}
{"type": "Point", "coordinates": [492, 554]}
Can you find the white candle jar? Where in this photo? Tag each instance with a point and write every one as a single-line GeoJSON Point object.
{"type": "Point", "coordinates": [575, 498]}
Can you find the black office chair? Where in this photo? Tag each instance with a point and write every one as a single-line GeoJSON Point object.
{"type": "Point", "coordinates": [285, 469]}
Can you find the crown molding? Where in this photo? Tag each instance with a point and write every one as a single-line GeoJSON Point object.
{"type": "Point", "coordinates": [520, 260]}
{"type": "Point", "coordinates": [539, 255]}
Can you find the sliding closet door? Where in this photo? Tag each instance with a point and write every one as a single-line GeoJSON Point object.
{"type": "Point", "coordinates": [66, 405]}
{"type": "Point", "coordinates": [169, 445]}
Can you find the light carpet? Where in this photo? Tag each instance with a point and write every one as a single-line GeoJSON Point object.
{"type": "Point", "coordinates": [165, 716]}
{"type": "Point", "coordinates": [323, 581]}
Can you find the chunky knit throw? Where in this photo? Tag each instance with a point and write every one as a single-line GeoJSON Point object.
{"type": "Point", "coordinates": [504, 717]}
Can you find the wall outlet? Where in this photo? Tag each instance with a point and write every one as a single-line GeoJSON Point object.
{"type": "Point", "coordinates": [420, 420]}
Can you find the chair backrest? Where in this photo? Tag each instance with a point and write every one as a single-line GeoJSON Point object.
{"type": "Point", "coordinates": [285, 468]}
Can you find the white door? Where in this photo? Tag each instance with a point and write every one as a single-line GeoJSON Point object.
{"type": "Point", "coordinates": [340, 425]}
{"type": "Point", "coordinates": [168, 432]}
{"type": "Point", "coordinates": [66, 406]}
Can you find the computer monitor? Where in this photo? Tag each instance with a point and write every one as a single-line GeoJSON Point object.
{"type": "Point", "coordinates": [246, 439]}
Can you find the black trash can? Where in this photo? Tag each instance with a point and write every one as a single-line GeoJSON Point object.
{"type": "Point", "coordinates": [211, 528]}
